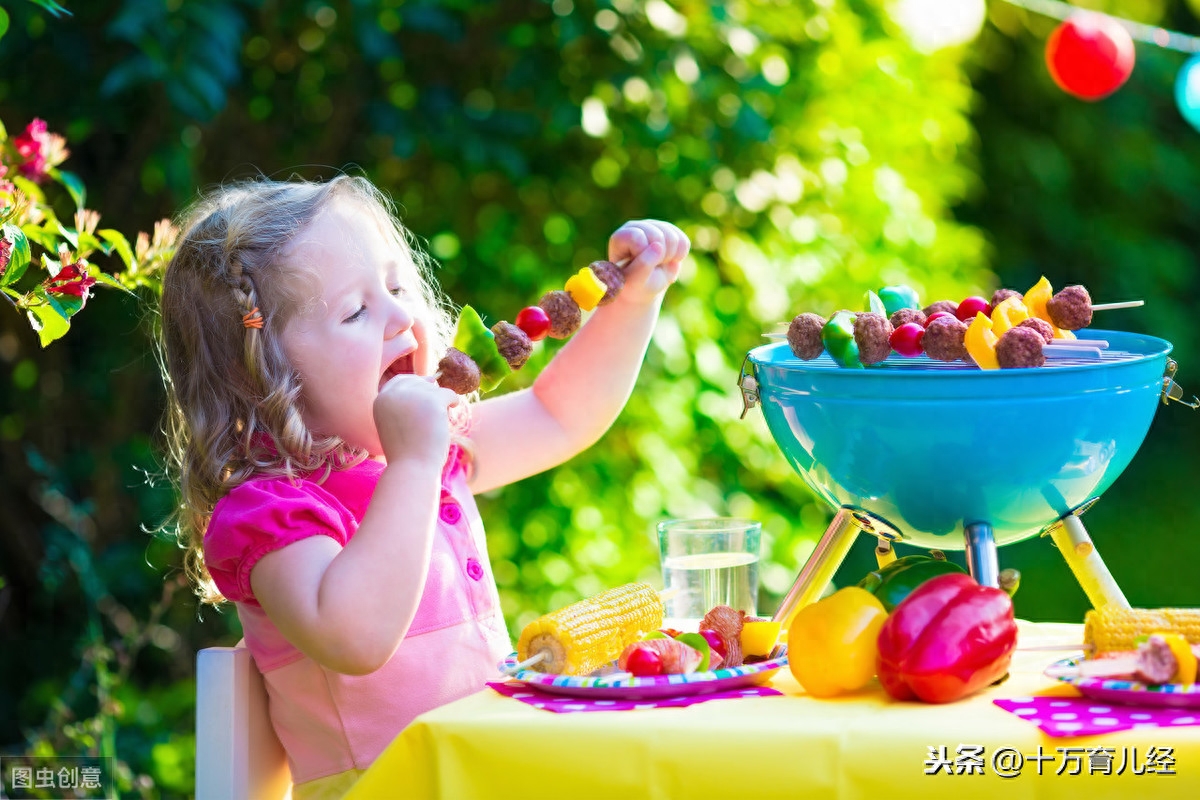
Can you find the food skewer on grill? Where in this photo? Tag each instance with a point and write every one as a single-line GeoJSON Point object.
{"type": "Point", "coordinates": [1010, 331]}
{"type": "Point", "coordinates": [1075, 349]}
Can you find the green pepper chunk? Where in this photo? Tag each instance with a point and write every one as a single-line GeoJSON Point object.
{"type": "Point", "coordinates": [876, 306]}
{"type": "Point", "coordinates": [896, 581]}
{"type": "Point", "coordinates": [838, 338]}
{"type": "Point", "coordinates": [473, 338]}
{"type": "Point", "coordinates": [897, 297]}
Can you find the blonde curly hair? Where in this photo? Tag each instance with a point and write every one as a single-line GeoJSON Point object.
{"type": "Point", "coordinates": [233, 398]}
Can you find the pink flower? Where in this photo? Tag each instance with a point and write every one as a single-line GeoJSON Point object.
{"type": "Point", "coordinates": [71, 280]}
{"type": "Point", "coordinates": [5, 253]}
{"type": "Point", "coordinates": [40, 149]}
{"type": "Point", "coordinates": [30, 142]}
{"type": "Point", "coordinates": [35, 168]}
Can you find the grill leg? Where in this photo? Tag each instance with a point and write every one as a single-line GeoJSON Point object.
{"type": "Point", "coordinates": [818, 571]}
{"type": "Point", "coordinates": [1072, 540]}
{"type": "Point", "coordinates": [981, 554]}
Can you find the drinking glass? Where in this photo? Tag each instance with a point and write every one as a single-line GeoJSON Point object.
{"type": "Point", "coordinates": [707, 562]}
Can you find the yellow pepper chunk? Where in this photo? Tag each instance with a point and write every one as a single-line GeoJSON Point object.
{"type": "Point", "coordinates": [1184, 657]}
{"type": "Point", "coordinates": [759, 638]}
{"type": "Point", "coordinates": [585, 288]}
{"type": "Point", "coordinates": [832, 644]}
{"type": "Point", "coordinates": [1035, 303]}
{"type": "Point", "coordinates": [981, 342]}
{"type": "Point", "coordinates": [1007, 314]}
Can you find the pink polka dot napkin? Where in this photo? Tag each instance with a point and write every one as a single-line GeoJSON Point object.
{"type": "Point", "coordinates": [1079, 716]}
{"type": "Point", "coordinates": [561, 704]}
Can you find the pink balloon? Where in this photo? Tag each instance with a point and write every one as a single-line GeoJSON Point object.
{"type": "Point", "coordinates": [1090, 56]}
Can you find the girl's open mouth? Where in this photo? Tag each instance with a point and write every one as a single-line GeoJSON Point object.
{"type": "Point", "coordinates": [401, 366]}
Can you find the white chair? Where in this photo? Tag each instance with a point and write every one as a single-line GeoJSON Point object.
{"type": "Point", "coordinates": [238, 756]}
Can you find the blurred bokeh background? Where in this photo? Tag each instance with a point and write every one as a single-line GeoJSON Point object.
{"type": "Point", "coordinates": [812, 149]}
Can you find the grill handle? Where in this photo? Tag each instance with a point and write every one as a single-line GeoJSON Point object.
{"type": "Point", "coordinates": [749, 386]}
{"type": "Point", "coordinates": [1172, 390]}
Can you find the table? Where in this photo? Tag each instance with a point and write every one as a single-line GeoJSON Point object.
{"type": "Point", "coordinates": [860, 746]}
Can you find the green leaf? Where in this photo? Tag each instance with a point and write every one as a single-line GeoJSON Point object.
{"type": "Point", "coordinates": [51, 265]}
{"type": "Point", "coordinates": [42, 235]}
{"type": "Point", "coordinates": [119, 243]}
{"type": "Point", "coordinates": [108, 280]}
{"type": "Point", "coordinates": [68, 233]}
{"type": "Point", "coordinates": [875, 304]}
{"type": "Point", "coordinates": [29, 189]}
{"type": "Point", "coordinates": [18, 257]}
{"type": "Point", "coordinates": [88, 243]}
{"type": "Point", "coordinates": [65, 304]}
{"type": "Point", "coordinates": [72, 183]}
{"type": "Point", "coordinates": [51, 6]}
{"type": "Point", "coordinates": [48, 318]}
{"type": "Point", "coordinates": [3, 22]}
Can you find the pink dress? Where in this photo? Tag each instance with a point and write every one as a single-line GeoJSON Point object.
{"type": "Point", "coordinates": [329, 722]}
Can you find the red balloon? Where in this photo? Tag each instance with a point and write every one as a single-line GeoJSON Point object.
{"type": "Point", "coordinates": [1090, 56]}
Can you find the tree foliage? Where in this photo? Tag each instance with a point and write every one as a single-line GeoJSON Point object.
{"type": "Point", "coordinates": [807, 150]}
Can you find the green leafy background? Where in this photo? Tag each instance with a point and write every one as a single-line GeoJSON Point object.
{"type": "Point", "coordinates": [808, 151]}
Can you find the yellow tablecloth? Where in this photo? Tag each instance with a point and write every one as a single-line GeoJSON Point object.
{"type": "Point", "coordinates": [861, 746]}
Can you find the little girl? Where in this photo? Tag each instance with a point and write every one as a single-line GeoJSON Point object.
{"type": "Point", "coordinates": [327, 479]}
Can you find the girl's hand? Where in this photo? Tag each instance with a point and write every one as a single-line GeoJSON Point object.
{"type": "Point", "coordinates": [412, 418]}
{"type": "Point", "coordinates": [654, 250]}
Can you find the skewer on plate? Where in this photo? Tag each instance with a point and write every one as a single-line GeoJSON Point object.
{"type": "Point", "coordinates": [634, 599]}
{"type": "Point", "coordinates": [1162, 658]}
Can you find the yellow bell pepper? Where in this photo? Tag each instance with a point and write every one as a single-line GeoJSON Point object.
{"type": "Point", "coordinates": [758, 638]}
{"type": "Point", "coordinates": [1184, 657]}
{"type": "Point", "coordinates": [832, 643]}
{"type": "Point", "coordinates": [1035, 302]}
{"type": "Point", "coordinates": [585, 288]}
{"type": "Point", "coordinates": [981, 342]}
{"type": "Point", "coordinates": [1007, 314]}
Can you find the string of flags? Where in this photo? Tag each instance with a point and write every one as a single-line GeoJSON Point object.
{"type": "Point", "coordinates": [1090, 55]}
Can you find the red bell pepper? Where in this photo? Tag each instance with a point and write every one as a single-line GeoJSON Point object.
{"type": "Point", "coordinates": [950, 638]}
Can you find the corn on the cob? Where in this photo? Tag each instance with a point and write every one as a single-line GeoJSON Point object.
{"type": "Point", "coordinates": [1111, 628]}
{"type": "Point", "coordinates": [587, 635]}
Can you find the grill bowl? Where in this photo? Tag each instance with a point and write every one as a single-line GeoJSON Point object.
{"type": "Point", "coordinates": [930, 447]}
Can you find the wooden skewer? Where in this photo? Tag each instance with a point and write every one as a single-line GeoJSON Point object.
{"type": "Point", "coordinates": [537, 658]}
{"type": "Point", "coordinates": [667, 594]}
{"type": "Point", "coordinates": [1095, 668]}
{"type": "Point", "coordinates": [1046, 648]}
{"type": "Point", "coordinates": [1073, 351]}
{"type": "Point", "coordinates": [1126, 304]}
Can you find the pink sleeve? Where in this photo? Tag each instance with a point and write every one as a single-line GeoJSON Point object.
{"type": "Point", "coordinates": [261, 517]}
